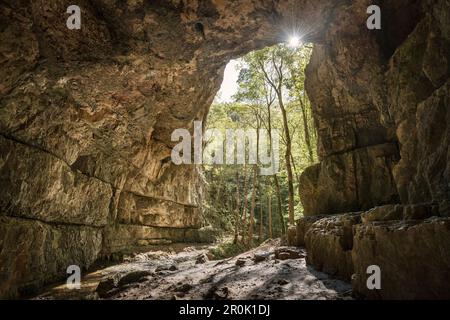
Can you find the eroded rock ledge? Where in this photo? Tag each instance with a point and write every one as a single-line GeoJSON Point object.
{"type": "Point", "coordinates": [410, 244]}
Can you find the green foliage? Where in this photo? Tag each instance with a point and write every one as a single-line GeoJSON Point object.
{"type": "Point", "coordinates": [226, 250]}
{"type": "Point", "coordinates": [256, 103]}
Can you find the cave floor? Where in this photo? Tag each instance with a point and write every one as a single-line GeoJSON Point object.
{"type": "Point", "coordinates": [188, 274]}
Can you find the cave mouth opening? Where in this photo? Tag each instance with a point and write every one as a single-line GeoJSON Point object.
{"type": "Point", "coordinates": [262, 104]}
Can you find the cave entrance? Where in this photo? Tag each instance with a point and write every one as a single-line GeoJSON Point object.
{"type": "Point", "coordinates": [262, 104]}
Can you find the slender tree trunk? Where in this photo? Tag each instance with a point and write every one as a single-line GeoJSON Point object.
{"type": "Point", "coordinates": [219, 195]}
{"type": "Point", "coordinates": [236, 214]}
{"type": "Point", "coordinates": [269, 205]}
{"type": "Point", "coordinates": [244, 209]}
{"type": "Point", "coordinates": [297, 176]}
{"type": "Point", "coordinates": [255, 187]}
{"type": "Point", "coordinates": [279, 204]}
{"type": "Point", "coordinates": [306, 129]}
{"type": "Point", "coordinates": [275, 177]}
{"type": "Point", "coordinates": [277, 87]}
{"type": "Point", "coordinates": [260, 235]}
{"type": "Point", "coordinates": [253, 205]}
{"type": "Point", "coordinates": [288, 159]}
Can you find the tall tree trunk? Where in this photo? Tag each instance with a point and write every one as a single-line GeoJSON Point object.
{"type": "Point", "coordinates": [297, 176]}
{"type": "Point", "coordinates": [244, 209]}
{"type": "Point", "coordinates": [253, 205]}
{"type": "Point", "coordinates": [269, 205]}
{"type": "Point", "coordinates": [306, 129]}
{"type": "Point", "coordinates": [279, 205]}
{"type": "Point", "coordinates": [255, 187]}
{"type": "Point", "coordinates": [219, 194]}
{"type": "Point", "coordinates": [260, 235]}
{"type": "Point", "coordinates": [287, 157]}
{"type": "Point", "coordinates": [278, 88]}
{"type": "Point", "coordinates": [236, 214]}
{"type": "Point", "coordinates": [275, 177]}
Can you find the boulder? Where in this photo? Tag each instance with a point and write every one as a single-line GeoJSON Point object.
{"type": "Point", "coordinates": [113, 284]}
{"type": "Point", "coordinates": [261, 256]}
{"type": "Point", "coordinates": [284, 253]}
{"type": "Point", "coordinates": [166, 267]}
{"type": "Point", "coordinates": [217, 293]}
{"type": "Point", "coordinates": [202, 258]}
{"type": "Point", "coordinates": [133, 277]}
{"type": "Point", "coordinates": [184, 288]}
{"type": "Point", "coordinates": [240, 262]}
{"type": "Point", "coordinates": [106, 287]}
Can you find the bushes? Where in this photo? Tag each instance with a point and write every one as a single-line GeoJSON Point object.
{"type": "Point", "coordinates": [226, 250]}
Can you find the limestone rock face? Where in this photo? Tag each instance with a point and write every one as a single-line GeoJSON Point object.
{"type": "Point", "coordinates": [409, 243]}
{"type": "Point", "coordinates": [399, 212]}
{"type": "Point", "coordinates": [355, 180]}
{"type": "Point", "coordinates": [356, 138]}
{"type": "Point", "coordinates": [124, 238]}
{"type": "Point", "coordinates": [329, 242]}
{"type": "Point", "coordinates": [302, 226]}
{"type": "Point", "coordinates": [407, 77]}
{"type": "Point", "coordinates": [344, 81]}
{"type": "Point", "coordinates": [413, 256]}
{"type": "Point", "coordinates": [418, 82]}
{"type": "Point", "coordinates": [397, 94]}
{"type": "Point", "coordinates": [33, 253]}
{"type": "Point", "coordinates": [40, 186]}
{"type": "Point", "coordinates": [138, 210]}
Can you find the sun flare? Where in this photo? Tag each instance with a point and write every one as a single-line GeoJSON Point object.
{"type": "Point", "coordinates": [294, 42]}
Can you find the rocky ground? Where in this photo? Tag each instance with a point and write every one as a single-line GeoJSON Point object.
{"type": "Point", "coordinates": [269, 271]}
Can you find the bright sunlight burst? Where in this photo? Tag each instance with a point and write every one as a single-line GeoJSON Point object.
{"type": "Point", "coordinates": [294, 41]}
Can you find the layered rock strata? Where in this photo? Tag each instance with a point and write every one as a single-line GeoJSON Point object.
{"type": "Point", "coordinates": [397, 96]}
{"type": "Point", "coordinates": [409, 243]}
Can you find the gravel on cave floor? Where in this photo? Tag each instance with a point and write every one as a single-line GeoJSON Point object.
{"type": "Point", "coordinates": [255, 274]}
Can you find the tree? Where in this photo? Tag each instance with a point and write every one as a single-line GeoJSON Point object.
{"type": "Point", "coordinates": [238, 205]}
{"type": "Point", "coordinates": [271, 96]}
{"type": "Point", "coordinates": [296, 86]}
{"type": "Point", "coordinates": [269, 224]}
{"type": "Point", "coordinates": [272, 64]}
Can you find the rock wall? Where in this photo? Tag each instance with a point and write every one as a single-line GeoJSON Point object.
{"type": "Point", "coordinates": [418, 93]}
{"type": "Point", "coordinates": [409, 243]}
{"type": "Point", "coordinates": [356, 141]}
{"type": "Point", "coordinates": [413, 256]}
{"type": "Point", "coordinates": [381, 107]}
